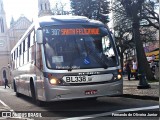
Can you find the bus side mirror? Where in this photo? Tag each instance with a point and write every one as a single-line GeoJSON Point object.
{"type": "Point", "coordinates": [39, 36]}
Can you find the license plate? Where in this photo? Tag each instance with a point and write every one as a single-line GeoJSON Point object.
{"type": "Point", "coordinates": [76, 79]}
{"type": "Point", "coordinates": [90, 92]}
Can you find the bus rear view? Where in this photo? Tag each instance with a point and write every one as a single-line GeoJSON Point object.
{"type": "Point", "coordinates": [80, 59]}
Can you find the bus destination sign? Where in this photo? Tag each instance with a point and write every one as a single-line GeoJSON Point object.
{"type": "Point", "coordinates": [73, 31]}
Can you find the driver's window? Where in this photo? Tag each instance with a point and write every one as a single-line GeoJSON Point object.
{"type": "Point", "coordinates": [107, 46]}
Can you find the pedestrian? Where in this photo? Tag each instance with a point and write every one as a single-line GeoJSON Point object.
{"type": "Point", "coordinates": [128, 69]}
{"type": "Point", "coordinates": [152, 66]}
{"type": "Point", "coordinates": [124, 68]}
{"type": "Point", "coordinates": [6, 82]}
{"type": "Point", "coordinates": [157, 70]}
{"type": "Point", "coordinates": [135, 69]}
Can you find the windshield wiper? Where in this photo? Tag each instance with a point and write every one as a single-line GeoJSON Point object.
{"type": "Point", "coordinates": [70, 66]}
{"type": "Point", "coordinates": [72, 61]}
{"type": "Point", "coordinates": [92, 52]}
{"type": "Point", "coordinates": [97, 58]}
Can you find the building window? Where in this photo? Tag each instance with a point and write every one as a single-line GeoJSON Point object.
{"type": "Point", "coordinates": [1, 25]}
{"type": "Point", "coordinates": [41, 7]}
{"type": "Point", "coordinates": [2, 43]}
{"type": "Point", "coordinates": [45, 6]}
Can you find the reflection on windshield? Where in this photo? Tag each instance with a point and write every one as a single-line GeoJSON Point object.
{"type": "Point", "coordinates": [79, 52]}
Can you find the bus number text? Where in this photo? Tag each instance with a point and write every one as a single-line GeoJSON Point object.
{"type": "Point", "coordinates": [55, 31]}
{"type": "Point", "coordinates": [76, 79]}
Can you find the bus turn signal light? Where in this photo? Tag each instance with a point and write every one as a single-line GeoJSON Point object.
{"type": "Point", "coordinates": [120, 71]}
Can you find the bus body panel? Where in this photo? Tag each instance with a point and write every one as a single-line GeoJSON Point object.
{"type": "Point", "coordinates": [45, 91]}
{"type": "Point", "coordinates": [77, 92]}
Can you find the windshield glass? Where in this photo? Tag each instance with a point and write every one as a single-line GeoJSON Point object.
{"type": "Point", "coordinates": [78, 47]}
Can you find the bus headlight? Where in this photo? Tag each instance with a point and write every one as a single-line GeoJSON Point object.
{"type": "Point", "coordinates": [119, 76]}
{"type": "Point", "coordinates": [54, 81]}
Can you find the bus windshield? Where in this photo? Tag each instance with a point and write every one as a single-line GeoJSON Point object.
{"type": "Point", "coordinates": [78, 47]}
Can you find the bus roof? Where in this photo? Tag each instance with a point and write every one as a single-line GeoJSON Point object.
{"type": "Point", "coordinates": [66, 19]}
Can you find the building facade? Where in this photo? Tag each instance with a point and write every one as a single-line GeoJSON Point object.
{"type": "Point", "coordinates": [4, 44]}
{"type": "Point", "coordinates": [10, 36]}
{"type": "Point", "coordinates": [17, 29]}
{"type": "Point", "coordinates": [44, 8]}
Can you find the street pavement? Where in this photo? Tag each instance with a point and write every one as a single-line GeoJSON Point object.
{"type": "Point", "coordinates": [130, 89]}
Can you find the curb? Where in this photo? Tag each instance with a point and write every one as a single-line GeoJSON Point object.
{"type": "Point", "coordinates": [140, 97]}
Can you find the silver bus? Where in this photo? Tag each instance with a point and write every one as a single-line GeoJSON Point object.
{"type": "Point", "coordinates": [65, 58]}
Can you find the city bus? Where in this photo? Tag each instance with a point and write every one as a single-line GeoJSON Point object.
{"type": "Point", "coordinates": [65, 58]}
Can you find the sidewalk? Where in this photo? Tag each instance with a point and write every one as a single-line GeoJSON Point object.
{"type": "Point", "coordinates": [130, 88]}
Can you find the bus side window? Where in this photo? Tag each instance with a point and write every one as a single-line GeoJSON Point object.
{"type": "Point", "coordinates": [32, 47]}
{"type": "Point", "coordinates": [12, 63]}
{"type": "Point", "coordinates": [21, 54]}
{"type": "Point", "coordinates": [23, 49]}
{"type": "Point", "coordinates": [17, 50]}
{"type": "Point", "coordinates": [14, 60]}
{"type": "Point", "coordinates": [26, 51]}
{"type": "Point", "coordinates": [38, 56]}
{"type": "Point", "coordinates": [28, 46]}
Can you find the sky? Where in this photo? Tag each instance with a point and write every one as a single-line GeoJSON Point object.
{"type": "Point", "coordinates": [28, 8]}
{"type": "Point", "coordinates": [16, 8]}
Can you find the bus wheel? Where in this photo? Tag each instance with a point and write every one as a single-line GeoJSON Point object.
{"type": "Point", "coordinates": [15, 89]}
{"type": "Point", "coordinates": [39, 103]}
{"type": "Point", "coordinates": [14, 86]}
{"type": "Point", "coordinates": [18, 94]}
{"type": "Point", "coordinates": [33, 95]}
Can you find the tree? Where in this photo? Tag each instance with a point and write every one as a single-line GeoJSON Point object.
{"type": "Point", "coordinates": [149, 13]}
{"type": "Point", "coordinates": [122, 30]}
{"type": "Point", "coordinates": [95, 9]}
{"type": "Point", "coordinates": [58, 9]}
{"type": "Point", "coordinates": [133, 9]}
{"type": "Point", "coordinates": [148, 34]}
{"type": "Point", "coordinates": [121, 17]}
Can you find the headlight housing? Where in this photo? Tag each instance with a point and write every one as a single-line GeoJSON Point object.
{"type": "Point", "coordinates": [119, 75]}
{"type": "Point", "coordinates": [53, 80]}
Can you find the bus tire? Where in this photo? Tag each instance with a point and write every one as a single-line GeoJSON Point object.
{"type": "Point", "coordinates": [33, 95]}
{"type": "Point", "coordinates": [14, 86]}
{"type": "Point", "coordinates": [18, 94]}
{"type": "Point", "coordinates": [15, 89]}
{"type": "Point", "coordinates": [39, 103]}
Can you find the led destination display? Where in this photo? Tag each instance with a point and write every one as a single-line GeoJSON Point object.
{"type": "Point", "coordinates": [73, 31]}
{"type": "Point", "coordinates": [80, 31]}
